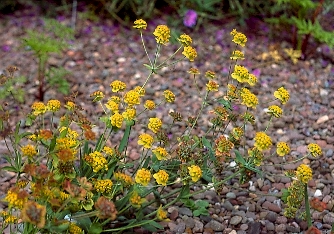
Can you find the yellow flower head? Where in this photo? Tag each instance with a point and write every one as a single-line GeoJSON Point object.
{"type": "Point", "coordinates": [34, 213]}
{"type": "Point", "coordinates": [161, 177]}
{"type": "Point", "coordinates": [29, 150]}
{"type": "Point", "coordinates": [248, 99]}
{"type": "Point", "coordinates": [223, 146]}
{"type": "Point", "coordinates": [38, 108]}
{"type": "Point", "coordinates": [117, 120]}
{"type": "Point", "coordinates": [97, 161]}
{"type": "Point", "coordinates": [136, 200]}
{"type": "Point", "coordinates": [210, 74]}
{"type": "Point", "coordinates": [112, 105]}
{"type": "Point", "coordinates": [155, 124]}
{"type": "Point", "coordinates": [145, 140]}
{"type": "Point", "coordinates": [103, 186]}
{"type": "Point", "coordinates": [314, 149]}
{"type": "Point", "coordinates": [10, 219]}
{"type": "Point", "coordinates": [107, 150]}
{"type": "Point", "coordinates": [16, 198]}
{"type": "Point", "coordinates": [212, 86]}
{"type": "Point", "coordinates": [140, 24]}
{"type": "Point", "coordinates": [237, 133]}
{"type": "Point", "coordinates": [252, 79]}
{"type": "Point", "coordinates": [195, 172]}
{"type": "Point", "coordinates": [190, 53]}
{"type": "Point", "coordinates": [304, 173]}
{"type": "Point", "coordinates": [239, 38]}
{"type": "Point", "coordinates": [125, 179]}
{"type": "Point", "coordinates": [117, 86]}
{"type": "Point", "coordinates": [262, 141]}
{"type": "Point", "coordinates": [129, 113]}
{"type": "Point", "coordinates": [143, 176]}
{"type": "Point", "coordinates": [70, 105]}
{"type": "Point", "coordinates": [282, 149]}
{"type": "Point", "coordinates": [115, 99]}
{"type": "Point", "coordinates": [282, 94]}
{"type": "Point", "coordinates": [160, 153]}
{"type": "Point", "coordinates": [149, 104]}
{"type": "Point", "coordinates": [161, 214]}
{"type": "Point", "coordinates": [132, 98]}
{"type": "Point", "coordinates": [169, 96]}
{"type": "Point", "coordinates": [194, 71]}
{"type": "Point", "coordinates": [162, 34]}
{"type": "Point", "coordinates": [240, 73]}
{"type": "Point", "coordinates": [97, 96]}
{"type": "Point", "coordinates": [53, 105]}
{"type": "Point", "coordinates": [185, 40]}
{"type": "Point", "coordinates": [140, 90]}
{"type": "Point", "coordinates": [237, 54]}
{"type": "Point", "coordinates": [74, 229]}
{"type": "Point", "coordinates": [275, 111]}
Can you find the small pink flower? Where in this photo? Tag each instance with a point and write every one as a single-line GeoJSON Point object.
{"type": "Point", "coordinates": [190, 18]}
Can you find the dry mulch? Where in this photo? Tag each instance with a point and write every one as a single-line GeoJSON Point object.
{"type": "Point", "coordinates": [105, 51]}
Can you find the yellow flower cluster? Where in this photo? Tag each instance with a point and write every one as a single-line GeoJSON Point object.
{"type": "Point", "coordinates": [117, 120]}
{"type": "Point", "coordinates": [112, 105]}
{"type": "Point", "coordinates": [103, 186]}
{"type": "Point", "coordinates": [161, 177]}
{"type": "Point", "coordinates": [160, 153]}
{"type": "Point", "coordinates": [195, 172]}
{"type": "Point", "coordinates": [237, 132]}
{"type": "Point", "coordinates": [149, 104]}
{"type": "Point", "coordinates": [248, 98]}
{"type": "Point", "coordinates": [239, 38]}
{"type": "Point", "coordinates": [10, 219]}
{"type": "Point", "coordinates": [107, 150]}
{"type": "Point", "coordinates": [282, 149]}
{"type": "Point", "coordinates": [97, 161]}
{"type": "Point", "coordinates": [190, 53]}
{"type": "Point", "coordinates": [232, 92]}
{"type": "Point", "coordinates": [141, 91]}
{"type": "Point", "coordinates": [38, 108]}
{"type": "Point", "coordinates": [123, 178]}
{"type": "Point", "coordinates": [262, 141]}
{"type": "Point", "coordinates": [65, 143]}
{"type": "Point", "coordinates": [162, 34]}
{"type": "Point", "coordinates": [143, 176]}
{"type": "Point", "coordinates": [210, 74]}
{"type": "Point", "coordinates": [212, 86]}
{"type": "Point", "coordinates": [252, 79]}
{"type": "Point", "coordinates": [53, 105]}
{"type": "Point", "coordinates": [97, 96]}
{"type": "Point", "coordinates": [70, 105]}
{"type": "Point", "coordinates": [71, 134]}
{"type": "Point", "coordinates": [145, 140]}
{"type": "Point", "coordinates": [132, 98]}
{"type": "Point", "coordinates": [304, 173]}
{"type": "Point", "coordinates": [314, 149]}
{"type": "Point", "coordinates": [185, 40]}
{"type": "Point", "coordinates": [15, 199]}
{"type": "Point", "coordinates": [275, 111]}
{"type": "Point", "coordinates": [74, 229]}
{"type": "Point", "coordinates": [282, 94]}
{"type": "Point", "coordinates": [140, 24]}
{"type": "Point", "coordinates": [161, 214]}
{"type": "Point", "coordinates": [169, 96]}
{"type": "Point", "coordinates": [117, 86]}
{"type": "Point", "coordinates": [129, 113]}
{"type": "Point", "coordinates": [240, 73]}
{"type": "Point", "coordinates": [237, 54]}
{"type": "Point", "coordinates": [223, 146]}
{"type": "Point", "coordinates": [29, 150]}
{"type": "Point", "coordinates": [136, 200]}
{"type": "Point", "coordinates": [154, 124]}
{"type": "Point", "coordinates": [194, 71]}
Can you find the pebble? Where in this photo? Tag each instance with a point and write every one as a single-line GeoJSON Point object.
{"type": "Point", "coordinates": [271, 216]}
{"type": "Point", "coordinates": [185, 211]}
{"type": "Point", "coordinates": [235, 220]}
{"type": "Point", "coordinates": [215, 226]}
{"type": "Point", "coordinates": [271, 206]}
{"type": "Point", "coordinates": [198, 226]}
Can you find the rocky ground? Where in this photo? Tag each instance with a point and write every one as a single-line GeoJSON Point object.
{"type": "Point", "coordinates": [105, 51]}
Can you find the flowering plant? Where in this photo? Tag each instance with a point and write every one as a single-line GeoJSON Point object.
{"type": "Point", "coordinates": [71, 179]}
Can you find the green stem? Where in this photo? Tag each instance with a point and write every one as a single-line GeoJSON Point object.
{"type": "Point", "coordinates": [271, 119]}
{"type": "Point", "coordinates": [200, 111]}
{"type": "Point", "coordinates": [170, 57]}
{"type": "Point", "coordinates": [142, 40]}
{"type": "Point", "coordinates": [307, 207]}
{"type": "Point", "coordinates": [148, 77]}
{"type": "Point", "coordinates": [128, 226]}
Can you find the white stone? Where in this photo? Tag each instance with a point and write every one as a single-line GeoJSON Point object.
{"type": "Point", "coordinates": [317, 193]}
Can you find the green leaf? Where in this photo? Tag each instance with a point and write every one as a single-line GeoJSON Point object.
{"type": "Point", "coordinates": [201, 203]}
{"type": "Point", "coordinates": [225, 103]}
{"type": "Point", "coordinates": [95, 228]}
{"type": "Point", "coordinates": [239, 158]}
{"type": "Point", "coordinates": [125, 139]}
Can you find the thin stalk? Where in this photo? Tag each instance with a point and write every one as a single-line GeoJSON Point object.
{"type": "Point", "coordinates": [170, 57]}
{"type": "Point", "coordinates": [142, 40]}
{"type": "Point", "coordinates": [307, 207]}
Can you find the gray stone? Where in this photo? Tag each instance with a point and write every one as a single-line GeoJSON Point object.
{"type": "Point", "coordinates": [230, 195]}
{"type": "Point", "coordinates": [215, 225]}
{"type": "Point", "coordinates": [198, 226]}
{"type": "Point", "coordinates": [185, 211]}
{"type": "Point", "coordinates": [271, 216]}
{"type": "Point", "coordinates": [235, 220]}
{"type": "Point", "coordinates": [190, 222]}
